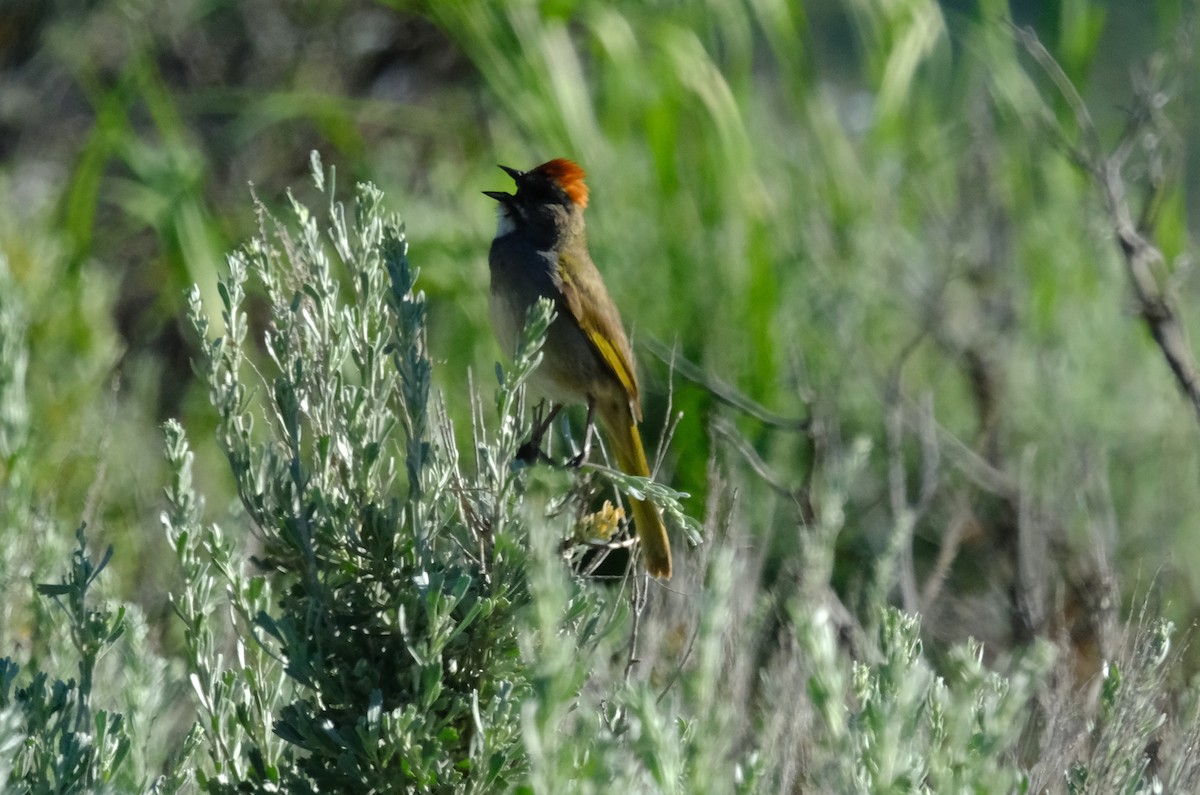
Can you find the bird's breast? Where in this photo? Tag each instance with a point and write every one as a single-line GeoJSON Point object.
{"type": "Point", "coordinates": [503, 311]}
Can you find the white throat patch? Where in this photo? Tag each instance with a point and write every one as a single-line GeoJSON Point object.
{"type": "Point", "coordinates": [504, 221]}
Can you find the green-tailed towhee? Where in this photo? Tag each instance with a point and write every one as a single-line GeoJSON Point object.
{"type": "Point", "coordinates": [541, 250]}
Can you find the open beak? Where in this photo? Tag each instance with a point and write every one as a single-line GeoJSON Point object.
{"type": "Point", "coordinates": [500, 195]}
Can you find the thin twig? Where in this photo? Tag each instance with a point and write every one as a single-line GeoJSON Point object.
{"type": "Point", "coordinates": [1066, 88]}
{"type": "Point", "coordinates": [903, 517]}
{"type": "Point", "coordinates": [725, 430]}
{"type": "Point", "coordinates": [720, 390]}
{"type": "Point", "coordinates": [947, 554]}
{"type": "Point", "coordinates": [664, 440]}
{"type": "Point", "coordinates": [975, 467]}
{"type": "Point", "coordinates": [637, 599]}
{"type": "Point", "coordinates": [678, 672]}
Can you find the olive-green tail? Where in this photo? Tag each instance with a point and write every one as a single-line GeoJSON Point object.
{"type": "Point", "coordinates": [631, 459]}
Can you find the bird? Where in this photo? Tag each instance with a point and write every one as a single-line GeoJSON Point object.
{"type": "Point", "coordinates": [540, 251]}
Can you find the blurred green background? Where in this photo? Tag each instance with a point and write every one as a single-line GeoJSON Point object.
{"type": "Point", "coordinates": [846, 211]}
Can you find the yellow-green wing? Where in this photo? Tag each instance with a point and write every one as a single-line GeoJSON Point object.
{"type": "Point", "coordinates": [589, 303]}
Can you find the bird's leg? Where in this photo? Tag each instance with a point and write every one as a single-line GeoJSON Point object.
{"type": "Point", "coordinates": [543, 425]}
{"type": "Point", "coordinates": [531, 451]}
{"type": "Point", "coordinates": [587, 438]}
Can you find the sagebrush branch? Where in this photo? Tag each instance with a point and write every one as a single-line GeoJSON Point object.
{"type": "Point", "coordinates": [1154, 305]}
{"type": "Point", "coordinates": [1141, 255]}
